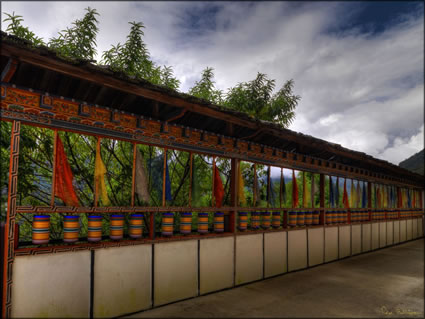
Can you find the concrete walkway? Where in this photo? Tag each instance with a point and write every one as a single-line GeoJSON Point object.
{"type": "Point", "coordinates": [386, 283]}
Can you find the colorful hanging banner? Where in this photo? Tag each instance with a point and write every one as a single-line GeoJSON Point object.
{"type": "Point", "coordinates": [99, 177]}
{"type": "Point", "coordinates": [63, 177]}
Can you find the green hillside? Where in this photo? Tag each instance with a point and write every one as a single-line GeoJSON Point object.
{"type": "Point", "coordinates": [415, 163]}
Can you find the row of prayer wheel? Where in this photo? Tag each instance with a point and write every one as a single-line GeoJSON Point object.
{"type": "Point", "coordinates": [71, 228]}
{"type": "Point", "coordinates": [359, 216]}
{"type": "Point", "coordinates": [263, 219]}
{"type": "Point", "coordinates": [336, 217]}
{"type": "Point", "coordinates": [302, 218]}
{"type": "Point", "coordinates": [167, 224]}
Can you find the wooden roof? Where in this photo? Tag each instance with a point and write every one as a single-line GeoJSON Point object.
{"type": "Point", "coordinates": [42, 69]}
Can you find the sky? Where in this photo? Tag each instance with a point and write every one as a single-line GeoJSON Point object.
{"type": "Point", "coordinates": [358, 66]}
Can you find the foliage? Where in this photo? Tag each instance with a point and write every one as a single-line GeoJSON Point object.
{"type": "Point", "coordinates": [256, 98]}
{"type": "Point", "coordinates": [133, 59]}
{"type": "Point", "coordinates": [15, 27]}
{"type": "Point", "coordinates": [78, 41]}
{"type": "Point", "coordinates": [414, 163]}
{"type": "Point", "coordinates": [205, 88]}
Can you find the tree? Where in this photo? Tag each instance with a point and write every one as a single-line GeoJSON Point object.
{"type": "Point", "coordinates": [80, 40]}
{"type": "Point", "coordinates": [133, 59]}
{"type": "Point", "coordinates": [205, 88]}
{"type": "Point", "coordinates": [15, 27]}
{"type": "Point", "coordinates": [256, 98]}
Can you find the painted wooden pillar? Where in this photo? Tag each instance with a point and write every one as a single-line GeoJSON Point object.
{"type": "Point", "coordinates": [10, 233]}
{"type": "Point", "coordinates": [235, 164]}
{"type": "Point", "coordinates": [322, 199]}
{"type": "Point", "coordinates": [369, 199]}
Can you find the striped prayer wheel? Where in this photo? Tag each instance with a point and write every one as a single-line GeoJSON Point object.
{"type": "Point", "coordinates": [116, 227]}
{"type": "Point", "coordinates": [300, 219]}
{"type": "Point", "coordinates": [292, 219]}
{"type": "Point", "coordinates": [136, 226]}
{"type": "Point", "coordinates": [328, 217]}
{"type": "Point", "coordinates": [276, 219]}
{"type": "Point", "coordinates": [255, 220]}
{"type": "Point", "coordinates": [203, 223]}
{"type": "Point", "coordinates": [316, 217]}
{"type": "Point", "coordinates": [186, 223]}
{"type": "Point", "coordinates": [243, 221]}
{"type": "Point", "coordinates": [308, 218]}
{"type": "Point", "coordinates": [334, 217]}
{"type": "Point", "coordinates": [40, 229]}
{"type": "Point", "coordinates": [343, 216]}
{"type": "Point", "coordinates": [266, 220]}
{"type": "Point", "coordinates": [71, 228]}
{"type": "Point", "coordinates": [94, 232]}
{"type": "Point", "coordinates": [219, 222]}
{"type": "Point", "coordinates": [167, 224]}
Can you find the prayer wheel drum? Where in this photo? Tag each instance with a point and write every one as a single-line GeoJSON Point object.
{"type": "Point", "coordinates": [116, 227]}
{"type": "Point", "coordinates": [136, 226]}
{"type": "Point", "coordinates": [292, 219]}
{"type": "Point", "coordinates": [308, 218]}
{"type": "Point", "coordinates": [219, 222]}
{"type": "Point", "coordinates": [71, 228]}
{"type": "Point", "coordinates": [300, 219]}
{"type": "Point", "coordinates": [243, 221]}
{"type": "Point", "coordinates": [167, 224]}
{"type": "Point", "coordinates": [94, 228]}
{"type": "Point", "coordinates": [276, 219]}
{"type": "Point", "coordinates": [202, 223]}
{"type": "Point", "coordinates": [185, 223]}
{"type": "Point", "coordinates": [316, 217]}
{"type": "Point", "coordinates": [40, 229]}
{"type": "Point", "coordinates": [255, 220]}
{"type": "Point", "coordinates": [266, 220]}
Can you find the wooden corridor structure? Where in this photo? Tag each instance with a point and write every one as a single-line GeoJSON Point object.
{"type": "Point", "coordinates": [43, 90]}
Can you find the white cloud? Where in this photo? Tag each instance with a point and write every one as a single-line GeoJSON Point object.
{"type": "Point", "coordinates": [364, 91]}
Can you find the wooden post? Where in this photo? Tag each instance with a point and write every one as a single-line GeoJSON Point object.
{"type": "Point", "coordinates": [268, 187]}
{"type": "Point", "coordinates": [254, 188]}
{"type": "Point", "coordinates": [133, 178]}
{"type": "Point", "coordinates": [163, 178]}
{"type": "Point", "coordinates": [96, 186]}
{"type": "Point", "coordinates": [55, 138]}
{"type": "Point", "coordinates": [281, 187]}
{"type": "Point", "coordinates": [369, 199]}
{"type": "Point", "coordinates": [213, 178]}
{"type": "Point", "coordinates": [234, 186]}
{"type": "Point", "coordinates": [9, 229]}
{"type": "Point", "coordinates": [322, 199]}
{"type": "Point", "coordinates": [190, 178]}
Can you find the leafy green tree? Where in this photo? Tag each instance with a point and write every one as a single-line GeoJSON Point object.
{"type": "Point", "coordinates": [257, 99]}
{"type": "Point", "coordinates": [205, 88]}
{"type": "Point", "coordinates": [133, 59]}
{"type": "Point", "coordinates": [78, 41]}
{"type": "Point", "coordinates": [15, 27]}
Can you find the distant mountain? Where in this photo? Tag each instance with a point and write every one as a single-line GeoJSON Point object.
{"type": "Point", "coordinates": [414, 163]}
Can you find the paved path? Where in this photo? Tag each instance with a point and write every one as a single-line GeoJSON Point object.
{"type": "Point", "coordinates": [386, 283]}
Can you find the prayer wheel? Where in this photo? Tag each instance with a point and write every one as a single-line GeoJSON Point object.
{"type": "Point", "coordinates": [185, 223]}
{"type": "Point", "coordinates": [300, 219]}
{"type": "Point", "coordinates": [243, 221]}
{"type": "Point", "coordinates": [116, 227]}
{"type": "Point", "coordinates": [292, 219]}
{"type": "Point", "coordinates": [255, 220]}
{"type": "Point", "coordinates": [308, 218]}
{"type": "Point", "coordinates": [136, 226]}
{"type": "Point", "coordinates": [94, 228]}
{"type": "Point", "coordinates": [316, 217]}
{"type": "Point", "coordinates": [71, 228]}
{"type": "Point", "coordinates": [328, 217]}
{"type": "Point", "coordinates": [219, 222]}
{"type": "Point", "coordinates": [40, 229]}
{"type": "Point", "coordinates": [202, 223]}
{"type": "Point", "coordinates": [167, 224]}
{"type": "Point", "coordinates": [276, 219]}
{"type": "Point", "coordinates": [334, 217]}
{"type": "Point", "coordinates": [266, 220]}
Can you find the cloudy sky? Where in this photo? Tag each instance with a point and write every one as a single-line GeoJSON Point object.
{"type": "Point", "coordinates": [358, 66]}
